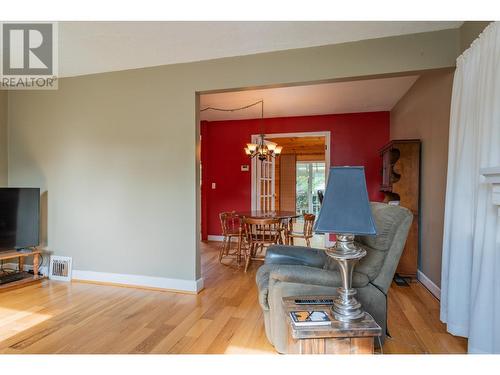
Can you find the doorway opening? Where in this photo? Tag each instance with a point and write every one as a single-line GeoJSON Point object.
{"type": "Point", "coordinates": [348, 109]}
{"type": "Point", "coordinates": [274, 184]}
{"type": "Point", "coordinates": [291, 181]}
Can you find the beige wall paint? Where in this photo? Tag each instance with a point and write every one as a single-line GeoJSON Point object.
{"type": "Point", "coordinates": [118, 153]}
{"type": "Point", "coordinates": [469, 31]}
{"type": "Point", "coordinates": [424, 113]}
{"type": "Point", "coordinates": [3, 137]}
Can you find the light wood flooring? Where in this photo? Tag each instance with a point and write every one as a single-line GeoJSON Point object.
{"type": "Point", "coordinates": [58, 317]}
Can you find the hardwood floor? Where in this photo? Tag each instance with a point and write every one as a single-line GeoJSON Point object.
{"type": "Point", "coordinates": [58, 317]}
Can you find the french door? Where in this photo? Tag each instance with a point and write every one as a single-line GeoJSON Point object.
{"type": "Point", "coordinates": [265, 185]}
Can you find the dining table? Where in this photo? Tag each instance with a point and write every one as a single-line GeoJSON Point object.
{"type": "Point", "coordinates": [286, 217]}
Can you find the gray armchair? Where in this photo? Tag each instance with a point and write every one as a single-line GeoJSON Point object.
{"type": "Point", "coordinates": [295, 271]}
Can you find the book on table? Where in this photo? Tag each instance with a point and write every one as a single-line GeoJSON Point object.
{"type": "Point", "coordinates": [305, 318]}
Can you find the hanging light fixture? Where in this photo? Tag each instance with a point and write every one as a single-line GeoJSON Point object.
{"type": "Point", "coordinates": [262, 149]}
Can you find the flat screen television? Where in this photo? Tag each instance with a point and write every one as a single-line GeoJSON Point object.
{"type": "Point", "coordinates": [19, 218]}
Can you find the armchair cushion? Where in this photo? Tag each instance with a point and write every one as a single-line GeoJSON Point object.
{"type": "Point", "coordinates": [369, 265]}
{"type": "Point", "coordinates": [301, 275]}
{"type": "Point", "coordinates": [387, 221]}
{"type": "Point", "coordinates": [299, 255]}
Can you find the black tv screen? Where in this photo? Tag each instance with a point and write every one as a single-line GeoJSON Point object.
{"type": "Point", "coordinates": [19, 218]}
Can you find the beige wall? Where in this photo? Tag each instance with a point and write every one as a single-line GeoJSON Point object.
{"type": "Point", "coordinates": [424, 113]}
{"type": "Point", "coordinates": [117, 152]}
{"type": "Point", "coordinates": [469, 31]}
{"type": "Point", "coordinates": [3, 137]}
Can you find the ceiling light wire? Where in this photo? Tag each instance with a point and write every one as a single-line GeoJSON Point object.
{"type": "Point", "coordinates": [236, 109]}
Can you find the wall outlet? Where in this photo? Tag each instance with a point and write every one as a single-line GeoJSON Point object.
{"type": "Point", "coordinates": [245, 168]}
{"type": "Point", "coordinates": [214, 185]}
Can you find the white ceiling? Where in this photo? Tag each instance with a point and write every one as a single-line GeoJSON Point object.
{"type": "Point", "coordinates": [95, 47]}
{"type": "Point", "coordinates": [340, 97]}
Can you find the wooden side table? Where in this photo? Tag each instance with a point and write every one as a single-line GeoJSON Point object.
{"type": "Point", "coordinates": [20, 255]}
{"type": "Point", "coordinates": [337, 338]}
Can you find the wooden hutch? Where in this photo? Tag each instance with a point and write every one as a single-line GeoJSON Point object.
{"type": "Point", "coordinates": [401, 182]}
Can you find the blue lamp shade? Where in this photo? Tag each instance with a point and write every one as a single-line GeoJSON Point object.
{"type": "Point", "coordinates": [346, 208]}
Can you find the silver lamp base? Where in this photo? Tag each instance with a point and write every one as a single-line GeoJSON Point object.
{"type": "Point", "coordinates": [346, 307]}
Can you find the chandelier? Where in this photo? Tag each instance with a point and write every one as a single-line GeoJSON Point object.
{"type": "Point", "coordinates": [263, 149]}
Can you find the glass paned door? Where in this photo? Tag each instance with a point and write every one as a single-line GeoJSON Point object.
{"type": "Point", "coordinates": [310, 179]}
{"type": "Point", "coordinates": [265, 185]}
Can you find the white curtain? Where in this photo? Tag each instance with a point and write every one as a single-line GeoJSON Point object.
{"type": "Point", "coordinates": [470, 283]}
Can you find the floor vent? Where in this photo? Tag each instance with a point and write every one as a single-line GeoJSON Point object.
{"type": "Point", "coordinates": [60, 268]}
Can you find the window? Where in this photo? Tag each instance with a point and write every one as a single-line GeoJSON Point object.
{"type": "Point", "coordinates": [310, 179]}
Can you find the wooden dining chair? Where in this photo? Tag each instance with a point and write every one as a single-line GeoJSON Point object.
{"type": "Point", "coordinates": [280, 230]}
{"type": "Point", "coordinates": [231, 228]}
{"type": "Point", "coordinates": [307, 231]}
{"type": "Point", "coordinates": [260, 234]}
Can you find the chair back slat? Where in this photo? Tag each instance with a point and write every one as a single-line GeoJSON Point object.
{"type": "Point", "coordinates": [230, 222]}
{"type": "Point", "coordinates": [308, 224]}
{"type": "Point", "coordinates": [262, 231]}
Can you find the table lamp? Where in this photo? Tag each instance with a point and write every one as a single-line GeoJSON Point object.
{"type": "Point", "coordinates": [346, 212]}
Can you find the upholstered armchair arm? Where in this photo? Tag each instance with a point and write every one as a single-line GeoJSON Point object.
{"type": "Point", "coordinates": [313, 276]}
{"type": "Point", "coordinates": [296, 255]}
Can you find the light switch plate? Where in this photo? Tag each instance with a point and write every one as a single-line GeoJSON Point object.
{"type": "Point", "coordinates": [214, 185]}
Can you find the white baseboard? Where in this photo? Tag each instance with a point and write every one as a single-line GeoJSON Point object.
{"type": "Point", "coordinates": [200, 284]}
{"type": "Point", "coordinates": [127, 280]}
{"type": "Point", "coordinates": [212, 237]}
{"type": "Point", "coordinates": [433, 288]}
{"type": "Point", "coordinates": [179, 285]}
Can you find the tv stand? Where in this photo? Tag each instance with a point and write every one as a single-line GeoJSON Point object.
{"type": "Point", "coordinates": [21, 255]}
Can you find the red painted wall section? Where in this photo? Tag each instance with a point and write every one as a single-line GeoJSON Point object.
{"type": "Point", "coordinates": [355, 140]}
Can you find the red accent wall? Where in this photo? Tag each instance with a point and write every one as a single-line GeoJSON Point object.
{"type": "Point", "coordinates": [355, 140]}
